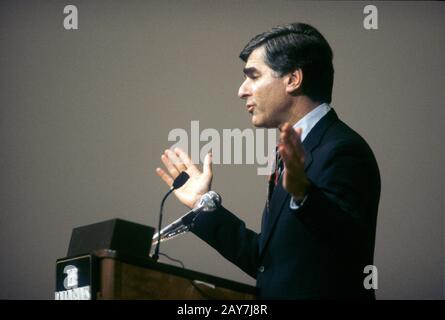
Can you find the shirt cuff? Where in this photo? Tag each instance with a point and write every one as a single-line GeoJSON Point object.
{"type": "Point", "coordinates": [295, 205]}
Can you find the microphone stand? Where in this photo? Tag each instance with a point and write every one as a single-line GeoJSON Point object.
{"type": "Point", "coordinates": [178, 183]}
{"type": "Point", "coordinates": [156, 254]}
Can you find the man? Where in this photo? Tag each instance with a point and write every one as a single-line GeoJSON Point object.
{"type": "Point", "coordinates": [319, 220]}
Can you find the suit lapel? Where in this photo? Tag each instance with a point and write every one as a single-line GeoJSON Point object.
{"type": "Point", "coordinates": [314, 137]}
{"type": "Point", "coordinates": [280, 196]}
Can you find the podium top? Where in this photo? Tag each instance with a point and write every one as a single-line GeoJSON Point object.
{"type": "Point", "coordinates": [115, 234]}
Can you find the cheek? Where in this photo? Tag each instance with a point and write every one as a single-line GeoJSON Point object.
{"type": "Point", "coordinates": [261, 91]}
{"type": "Point", "coordinates": [268, 95]}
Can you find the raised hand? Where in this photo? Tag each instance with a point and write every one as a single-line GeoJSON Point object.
{"type": "Point", "coordinates": [291, 150]}
{"type": "Point", "coordinates": [199, 182]}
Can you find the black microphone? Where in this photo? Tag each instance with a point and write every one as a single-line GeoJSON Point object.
{"type": "Point", "coordinates": [209, 202]}
{"type": "Point", "coordinates": [180, 180]}
{"type": "Point", "coordinates": [177, 183]}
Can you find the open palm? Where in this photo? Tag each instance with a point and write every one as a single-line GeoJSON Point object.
{"type": "Point", "coordinates": [199, 182]}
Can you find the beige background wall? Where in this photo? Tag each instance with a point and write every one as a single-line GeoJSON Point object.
{"type": "Point", "coordinates": [85, 115]}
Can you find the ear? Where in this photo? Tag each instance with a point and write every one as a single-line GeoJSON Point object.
{"type": "Point", "coordinates": [294, 81]}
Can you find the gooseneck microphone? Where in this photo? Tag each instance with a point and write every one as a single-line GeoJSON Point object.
{"type": "Point", "coordinates": [180, 180]}
{"type": "Point", "coordinates": [207, 203]}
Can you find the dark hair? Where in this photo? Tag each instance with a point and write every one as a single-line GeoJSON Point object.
{"type": "Point", "coordinates": [297, 45]}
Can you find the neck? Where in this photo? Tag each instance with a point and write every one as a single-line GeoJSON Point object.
{"type": "Point", "coordinates": [301, 107]}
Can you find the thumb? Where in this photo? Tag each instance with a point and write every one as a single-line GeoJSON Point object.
{"type": "Point", "coordinates": [207, 168]}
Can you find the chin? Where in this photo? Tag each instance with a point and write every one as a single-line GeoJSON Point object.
{"type": "Point", "coordinates": [261, 125]}
{"type": "Point", "coordinates": [261, 122]}
{"type": "Point", "coordinates": [257, 123]}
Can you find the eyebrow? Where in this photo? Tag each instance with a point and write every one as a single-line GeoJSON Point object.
{"type": "Point", "coordinates": [250, 71]}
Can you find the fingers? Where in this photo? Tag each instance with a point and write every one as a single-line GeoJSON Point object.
{"type": "Point", "coordinates": [290, 144]}
{"type": "Point", "coordinates": [186, 161]}
{"type": "Point", "coordinates": [174, 172]}
{"type": "Point", "coordinates": [290, 135]}
{"type": "Point", "coordinates": [207, 168]}
{"type": "Point", "coordinates": [173, 163]}
{"type": "Point", "coordinates": [184, 157]}
{"type": "Point", "coordinates": [164, 176]}
{"type": "Point", "coordinates": [177, 161]}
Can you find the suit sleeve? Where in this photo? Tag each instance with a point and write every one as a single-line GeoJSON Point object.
{"type": "Point", "coordinates": [229, 236]}
{"type": "Point", "coordinates": [343, 200]}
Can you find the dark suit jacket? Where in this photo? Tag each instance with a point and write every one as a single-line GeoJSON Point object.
{"type": "Point", "coordinates": [320, 250]}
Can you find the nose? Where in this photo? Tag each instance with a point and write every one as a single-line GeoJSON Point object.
{"type": "Point", "coordinates": [244, 91]}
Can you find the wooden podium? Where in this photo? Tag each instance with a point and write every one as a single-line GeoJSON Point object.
{"type": "Point", "coordinates": [121, 277]}
{"type": "Point", "coordinates": [109, 260]}
{"type": "Point", "coordinates": [107, 275]}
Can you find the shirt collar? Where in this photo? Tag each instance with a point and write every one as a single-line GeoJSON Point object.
{"type": "Point", "coordinates": [311, 119]}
